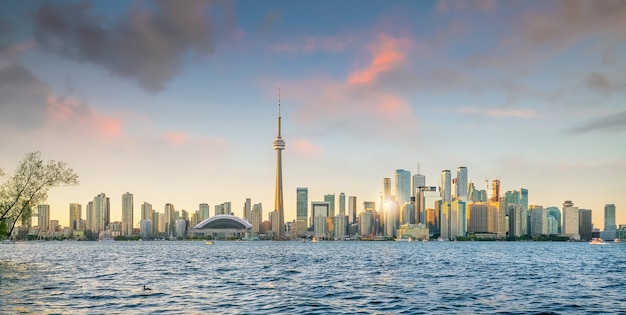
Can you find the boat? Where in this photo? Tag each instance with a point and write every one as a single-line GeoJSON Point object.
{"type": "Point", "coordinates": [209, 243]}
{"type": "Point", "coordinates": [596, 241]}
{"type": "Point", "coordinates": [616, 240]}
{"type": "Point", "coordinates": [314, 240]}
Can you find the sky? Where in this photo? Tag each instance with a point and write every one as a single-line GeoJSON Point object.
{"type": "Point", "coordinates": [176, 101]}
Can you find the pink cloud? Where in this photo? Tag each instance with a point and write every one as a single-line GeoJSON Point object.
{"type": "Point", "coordinates": [175, 138]}
{"type": "Point", "coordinates": [388, 53]}
{"type": "Point", "coordinates": [72, 113]}
{"type": "Point", "coordinates": [306, 148]}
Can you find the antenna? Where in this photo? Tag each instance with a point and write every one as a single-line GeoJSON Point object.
{"type": "Point", "coordinates": [278, 102]}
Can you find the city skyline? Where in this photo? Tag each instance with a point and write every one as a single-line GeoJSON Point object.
{"type": "Point", "coordinates": [530, 94]}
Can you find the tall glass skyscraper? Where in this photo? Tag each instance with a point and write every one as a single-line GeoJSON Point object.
{"type": "Point", "coordinates": [403, 186]}
{"type": "Point", "coordinates": [330, 198]}
{"type": "Point", "coordinates": [302, 210]}
{"type": "Point", "coordinates": [75, 215]}
{"type": "Point", "coordinates": [342, 204]}
{"type": "Point", "coordinates": [461, 183]}
{"type": "Point", "coordinates": [446, 186]}
{"type": "Point", "coordinates": [127, 214]}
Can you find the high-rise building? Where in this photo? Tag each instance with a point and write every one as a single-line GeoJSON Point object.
{"type": "Point", "coordinates": [146, 211]}
{"type": "Point", "coordinates": [495, 190]}
{"type": "Point", "coordinates": [402, 186]}
{"type": "Point", "coordinates": [478, 218]}
{"type": "Point", "coordinates": [538, 220]}
{"type": "Point", "coordinates": [145, 229]}
{"type": "Point", "coordinates": [352, 210]}
{"type": "Point", "coordinates": [43, 217]}
{"type": "Point", "coordinates": [279, 146]}
{"type": "Point", "coordinates": [419, 180]}
{"type": "Point", "coordinates": [302, 209]}
{"type": "Point", "coordinates": [75, 215]}
{"type": "Point", "coordinates": [555, 212]}
{"type": "Point", "coordinates": [392, 210]}
{"type": "Point", "coordinates": [523, 201]}
{"type": "Point", "coordinates": [203, 212]}
{"type": "Point", "coordinates": [89, 216]}
{"type": "Point", "coordinates": [584, 224]}
{"type": "Point", "coordinates": [570, 220]}
{"type": "Point", "coordinates": [257, 218]}
{"type": "Point", "coordinates": [461, 183]}
{"type": "Point", "coordinates": [610, 229]}
{"type": "Point", "coordinates": [386, 189]}
{"type": "Point", "coordinates": [127, 214]}
{"type": "Point", "coordinates": [320, 211]}
{"type": "Point", "coordinates": [446, 186]}
{"type": "Point", "coordinates": [247, 209]}
{"type": "Point", "coordinates": [100, 212]}
{"type": "Point", "coordinates": [169, 219]}
{"type": "Point", "coordinates": [342, 204]}
{"type": "Point", "coordinates": [330, 198]}
{"type": "Point", "coordinates": [515, 220]}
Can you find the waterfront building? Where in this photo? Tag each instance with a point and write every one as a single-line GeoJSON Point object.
{"type": "Point", "coordinates": [223, 226]}
{"type": "Point", "coordinates": [445, 224]}
{"type": "Point", "coordinates": [340, 225]}
{"type": "Point", "coordinates": [330, 199]}
{"type": "Point", "coordinates": [127, 214]}
{"type": "Point", "coordinates": [155, 222]}
{"type": "Point", "coordinates": [432, 219]}
{"type": "Point", "coordinates": [458, 218]}
{"type": "Point", "coordinates": [101, 213]}
{"type": "Point", "coordinates": [181, 228]}
{"type": "Point", "coordinates": [342, 204]}
{"type": "Point", "coordinates": [257, 219]}
{"type": "Point", "coordinates": [584, 224]}
{"type": "Point", "coordinates": [320, 209]}
{"type": "Point", "coordinates": [538, 221]}
{"type": "Point", "coordinates": [367, 226]}
{"type": "Point", "coordinates": [446, 186]}
{"type": "Point", "coordinates": [556, 213]}
{"type": "Point", "coordinates": [161, 221]}
{"type": "Point", "coordinates": [203, 211]}
{"type": "Point", "coordinates": [478, 218]}
{"type": "Point", "coordinates": [75, 215]}
{"type": "Point", "coordinates": [495, 190]}
{"type": "Point", "coordinates": [145, 229]}
{"type": "Point", "coordinates": [610, 228]}
{"type": "Point", "coordinates": [553, 224]}
{"type": "Point", "coordinates": [386, 189]}
{"type": "Point", "coordinates": [146, 211]}
{"type": "Point", "coordinates": [515, 220]}
{"type": "Point", "coordinates": [43, 218]}
{"type": "Point", "coordinates": [279, 146]}
{"type": "Point", "coordinates": [391, 220]}
{"type": "Point", "coordinates": [402, 186]}
{"type": "Point", "coordinates": [419, 180]}
{"type": "Point", "coordinates": [461, 183]}
{"type": "Point", "coordinates": [523, 201]}
{"type": "Point", "coordinates": [302, 209]}
{"type": "Point", "coordinates": [415, 231]}
{"type": "Point", "coordinates": [169, 219]}
{"type": "Point", "coordinates": [352, 210]}
{"type": "Point", "coordinates": [570, 220]}
{"type": "Point", "coordinates": [247, 209]}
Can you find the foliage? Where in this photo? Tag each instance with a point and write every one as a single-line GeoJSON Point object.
{"type": "Point", "coordinates": [29, 186]}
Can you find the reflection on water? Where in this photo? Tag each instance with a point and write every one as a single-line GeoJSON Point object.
{"type": "Point", "coordinates": [315, 278]}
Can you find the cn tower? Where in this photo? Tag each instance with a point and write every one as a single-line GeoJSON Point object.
{"type": "Point", "coordinates": [279, 146]}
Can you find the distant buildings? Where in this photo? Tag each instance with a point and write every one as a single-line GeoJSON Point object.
{"type": "Point", "coordinates": [127, 214]}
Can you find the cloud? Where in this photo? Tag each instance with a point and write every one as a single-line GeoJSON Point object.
{"type": "Point", "coordinates": [314, 44]}
{"type": "Point", "coordinates": [23, 102]}
{"type": "Point", "coordinates": [446, 6]}
{"type": "Point", "coordinates": [74, 115]}
{"type": "Point", "coordinates": [175, 138]}
{"type": "Point", "coordinates": [501, 112]}
{"type": "Point", "coordinates": [611, 123]}
{"type": "Point", "coordinates": [306, 148]}
{"type": "Point", "coordinates": [148, 44]}
{"type": "Point", "coordinates": [388, 53]}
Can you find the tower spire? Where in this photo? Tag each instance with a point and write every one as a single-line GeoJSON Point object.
{"type": "Point", "coordinates": [279, 221]}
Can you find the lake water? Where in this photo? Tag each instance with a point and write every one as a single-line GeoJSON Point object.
{"type": "Point", "coordinates": [312, 278]}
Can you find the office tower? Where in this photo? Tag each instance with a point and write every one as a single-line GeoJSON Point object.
{"type": "Point", "coordinates": [367, 219]}
{"type": "Point", "coordinates": [181, 228]}
{"type": "Point", "coordinates": [279, 146]}
{"type": "Point", "coordinates": [89, 223]}
{"type": "Point", "coordinates": [495, 190]}
{"type": "Point", "coordinates": [386, 189]}
{"type": "Point", "coordinates": [610, 229]}
{"type": "Point", "coordinates": [330, 198]}
{"type": "Point", "coordinates": [320, 211]}
{"type": "Point", "coordinates": [472, 193]}
{"type": "Point", "coordinates": [407, 213]}
{"type": "Point", "coordinates": [228, 207]}
{"type": "Point", "coordinates": [419, 180]}
{"type": "Point", "coordinates": [515, 220]}
{"type": "Point", "coordinates": [478, 218]}
{"type": "Point", "coordinates": [342, 204]}
{"type": "Point", "coordinates": [523, 201]}
{"type": "Point", "coordinates": [146, 211]}
{"type": "Point", "coordinates": [127, 214]}
{"type": "Point", "coordinates": [75, 215]}
{"type": "Point", "coordinates": [219, 209]}
{"type": "Point", "coordinates": [145, 229]}
{"type": "Point", "coordinates": [168, 220]}
{"type": "Point", "coordinates": [392, 210]}
{"type": "Point", "coordinates": [446, 186]}
{"type": "Point", "coordinates": [556, 214]}
{"type": "Point", "coordinates": [340, 225]}
{"type": "Point", "coordinates": [553, 224]}
{"type": "Point", "coordinates": [584, 224]}
{"type": "Point", "coordinates": [427, 195]}
{"type": "Point", "coordinates": [155, 222]}
{"type": "Point", "coordinates": [302, 209]}
{"type": "Point", "coordinates": [256, 218]}
{"type": "Point", "coordinates": [43, 218]}
{"type": "Point", "coordinates": [203, 212]}
{"type": "Point", "coordinates": [461, 183]}
{"type": "Point", "coordinates": [247, 208]}
{"type": "Point", "coordinates": [402, 186]}
{"type": "Point", "coordinates": [538, 221]}
{"type": "Point", "coordinates": [458, 218]}
{"type": "Point", "coordinates": [570, 220]}
{"type": "Point", "coordinates": [100, 213]}
{"type": "Point", "coordinates": [352, 210]}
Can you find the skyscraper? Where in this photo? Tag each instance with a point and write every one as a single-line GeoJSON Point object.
{"type": "Point", "coordinates": [43, 217]}
{"type": "Point", "coordinates": [100, 213]}
{"type": "Point", "coordinates": [386, 189]}
{"type": "Point", "coordinates": [279, 146]}
{"type": "Point", "coordinates": [330, 198]}
{"type": "Point", "coordinates": [584, 224]}
{"type": "Point", "coordinates": [75, 215]}
{"type": "Point", "coordinates": [570, 220]}
{"type": "Point", "coordinates": [247, 209]}
{"type": "Point", "coordinates": [203, 212]}
{"type": "Point", "coordinates": [127, 214]}
{"type": "Point", "coordinates": [403, 186]}
{"type": "Point", "coordinates": [352, 211]}
{"type": "Point", "coordinates": [610, 228]}
{"type": "Point", "coordinates": [342, 204]}
{"type": "Point", "coordinates": [446, 186]}
{"type": "Point", "coordinates": [146, 211]}
{"type": "Point", "coordinates": [168, 219]}
{"type": "Point", "coordinates": [461, 183]}
{"type": "Point", "coordinates": [302, 210]}
{"type": "Point", "coordinates": [419, 180]}
{"type": "Point", "coordinates": [495, 190]}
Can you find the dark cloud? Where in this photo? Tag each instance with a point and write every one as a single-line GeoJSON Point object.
{"type": "Point", "coordinates": [613, 123]}
{"type": "Point", "coordinates": [147, 44]}
{"type": "Point", "coordinates": [23, 102]}
{"type": "Point", "coordinates": [599, 82]}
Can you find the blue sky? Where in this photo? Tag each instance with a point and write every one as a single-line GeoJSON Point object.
{"type": "Point", "coordinates": [176, 101]}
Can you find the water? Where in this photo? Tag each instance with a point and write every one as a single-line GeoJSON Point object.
{"type": "Point", "coordinates": [312, 278]}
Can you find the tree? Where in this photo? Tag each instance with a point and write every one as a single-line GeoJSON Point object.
{"type": "Point", "coordinates": [29, 186]}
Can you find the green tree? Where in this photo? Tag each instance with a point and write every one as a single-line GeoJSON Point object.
{"type": "Point", "coordinates": [29, 186]}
